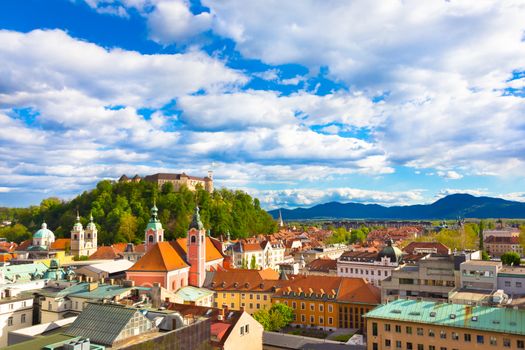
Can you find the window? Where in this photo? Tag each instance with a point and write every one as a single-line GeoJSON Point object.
{"type": "Point", "coordinates": [443, 335]}
{"type": "Point", "coordinates": [259, 297]}
{"type": "Point", "coordinates": [294, 305]}
{"type": "Point", "coordinates": [454, 336]}
{"type": "Point", "coordinates": [467, 337]}
{"type": "Point", "coordinates": [232, 305]}
{"type": "Point", "coordinates": [387, 327]}
{"type": "Point", "coordinates": [251, 305]}
{"type": "Point", "coordinates": [321, 320]}
{"type": "Point", "coordinates": [420, 347]}
{"type": "Point", "coordinates": [321, 307]}
{"type": "Point", "coordinates": [303, 318]}
{"type": "Point", "coordinates": [24, 304]}
{"type": "Point", "coordinates": [374, 329]}
{"type": "Point", "coordinates": [520, 344]}
{"type": "Point", "coordinates": [251, 296]}
{"type": "Point", "coordinates": [303, 306]}
{"type": "Point", "coordinates": [11, 306]}
{"type": "Point", "coordinates": [419, 331]}
{"type": "Point", "coordinates": [49, 306]}
{"type": "Point", "coordinates": [247, 329]}
{"type": "Point", "coordinates": [374, 346]}
{"type": "Point", "coordinates": [431, 347]}
{"type": "Point", "coordinates": [265, 297]}
{"type": "Point", "coordinates": [312, 320]}
{"type": "Point", "coordinates": [507, 283]}
{"type": "Point", "coordinates": [10, 321]}
{"type": "Point", "coordinates": [258, 306]}
{"type": "Point", "coordinates": [242, 330]}
{"type": "Point", "coordinates": [330, 308]}
{"type": "Point", "coordinates": [518, 284]}
{"type": "Point", "coordinates": [312, 306]}
{"type": "Point", "coordinates": [443, 348]}
{"type": "Point", "coordinates": [493, 341]}
{"type": "Point", "coordinates": [387, 343]}
{"type": "Point", "coordinates": [398, 344]}
{"type": "Point", "coordinates": [506, 342]}
{"type": "Point", "coordinates": [192, 239]}
{"type": "Point", "coordinates": [409, 346]}
{"type": "Point", "coordinates": [409, 330]}
{"type": "Point", "coordinates": [431, 333]}
{"type": "Point", "coordinates": [398, 328]}
{"type": "Point", "coordinates": [23, 318]}
{"type": "Point", "coordinates": [480, 339]}
{"type": "Point", "coordinates": [330, 320]}
{"type": "Point", "coordinates": [224, 295]}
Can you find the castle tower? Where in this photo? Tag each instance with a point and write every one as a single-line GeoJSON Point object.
{"type": "Point", "coordinates": [77, 239]}
{"type": "Point", "coordinates": [91, 237]}
{"type": "Point", "coordinates": [154, 231]}
{"type": "Point", "coordinates": [196, 242]}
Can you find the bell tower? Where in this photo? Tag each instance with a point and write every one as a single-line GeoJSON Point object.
{"type": "Point", "coordinates": [196, 248]}
{"type": "Point", "coordinates": [91, 236]}
{"type": "Point", "coordinates": [154, 231]}
{"type": "Point", "coordinates": [77, 238]}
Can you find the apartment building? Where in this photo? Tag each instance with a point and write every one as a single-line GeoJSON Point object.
{"type": "Point", "coordinates": [426, 325]}
{"type": "Point", "coordinates": [15, 313]}
{"type": "Point", "coordinates": [328, 302]}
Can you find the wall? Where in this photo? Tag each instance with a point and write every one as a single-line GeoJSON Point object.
{"type": "Point", "coordinates": [15, 309]}
{"type": "Point", "coordinates": [240, 339]}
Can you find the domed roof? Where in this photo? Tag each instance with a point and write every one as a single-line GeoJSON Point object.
{"type": "Point", "coordinates": [394, 253]}
{"type": "Point", "coordinates": [91, 225]}
{"type": "Point", "coordinates": [154, 223]}
{"type": "Point", "coordinates": [44, 232]}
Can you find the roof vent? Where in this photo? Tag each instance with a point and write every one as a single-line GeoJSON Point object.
{"type": "Point", "coordinates": [432, 314]}
{"type": "Point", "coordinates": [452, 316]}
{"type": "Point", "coordinates": [396, 311]}
{"type": "Point", "coordinates": [495, 321]}
{"type": "Point", "coordinates": [415, 313]}
{"type": "Point", "coordinates": [474, 318]}
{"type": "Point", "coordinates": [512, 323]}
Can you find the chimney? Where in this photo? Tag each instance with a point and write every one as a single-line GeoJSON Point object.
{"type": "Point", "coordinates": [155, 295]}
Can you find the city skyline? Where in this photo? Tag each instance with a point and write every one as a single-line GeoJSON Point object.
{"type": "Point", "coordinates": [397, 103]}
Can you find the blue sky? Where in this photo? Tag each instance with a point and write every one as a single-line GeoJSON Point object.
{"type": "Point", "coordinates": [390, 102]}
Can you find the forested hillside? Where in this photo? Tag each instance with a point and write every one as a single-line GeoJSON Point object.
{"type": "Point", "coordinates": [122, 210]}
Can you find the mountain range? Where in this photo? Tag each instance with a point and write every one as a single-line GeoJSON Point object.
{"type": "Point", "coordinates": [449, 207]}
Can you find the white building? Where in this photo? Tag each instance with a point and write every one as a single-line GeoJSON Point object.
{"type": "Point", "coordinates": [266, 254]}
{"type": "Point", "coordinates": [84, 242]}
{"type": "Point", "coordinates": [373, 267]}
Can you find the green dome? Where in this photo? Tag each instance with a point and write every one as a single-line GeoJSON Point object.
{"type": "Point", "coordinates": [154, 222]}
{"type": "Point", "coordinates": [394, 253]}
{"type": "Point", "coordinates": [44, 233]}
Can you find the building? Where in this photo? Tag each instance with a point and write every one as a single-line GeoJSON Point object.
{"type": "Point", "coordinates": [178, 180]}
{"type": "Point", "coordinates": [328, 302]}
{"type": "Point", "coordinates": [414, 248]}
{"type": "Point", "coordinates": [501, 232]}
{"type": "Point", "coordinates": [322, 267]}
{"type": "Point", "coordinates": [479, 274]}
{"type": "Point", "coordinates": [432, 278]}
{"type": "Point", "coordinates": [332, 251]}
{"type": "Point", "coordinates": [179, 263]}
{"type": "Point", "coordinates": [264, 254]}
{"type": "Point", "coordinates": [195, 296]}
{"type": "Point", "coordinates": [250, 290]}
{"type": "Point", "coordinates": [115, 270]}
{"type": "Point", "coordinates": [374, 267]}
{"type": "Point", "coordinates": [498, 245]}
{"type": "Point", "coordinates": [426, 325]}
{"type": "Point", "coordinates": [512, 281]}
{"type": "Point", "coordinates": [16, 312]}
{"type": "Point", "coordinates": [84, 242]}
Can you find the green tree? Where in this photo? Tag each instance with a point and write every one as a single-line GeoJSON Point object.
{"type": "Point", "coordinates": [16, 233]}
{"type": "Point", "coordinates": [128, 227]}
{"type": "Point", "coordinates": [485, 255]}
{"type": "Point", "coordinates": [511, 259]}
{"type": "Point", "coordinates": [253, 263]}
{"type": "Point", "coordinates": [276, 318]}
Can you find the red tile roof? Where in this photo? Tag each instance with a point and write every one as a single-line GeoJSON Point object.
{"type": "Point", "coordinates": [244, 279]}
{"type": "Point", "coordinates": [418, 247]}
{"type": "Point", "coordinates": [322, 265]}
{"type": "Point", "coordinates": [502, 240]}
{"type": "Point", "coordinates": [160, 257]}
{"type": "Point", "coordinates": [105, 253]}
{"type": "Point", "coordinates": [24, 245]}
{"type": "Point", "coordinates": [61, 244]}
{"type": "Point", "coordinates": [212, 253]}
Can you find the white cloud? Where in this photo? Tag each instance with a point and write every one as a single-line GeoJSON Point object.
{"type": "Point", "coordinates": [307, 197]}
{"type": "Point", "coordinates": [475, 192]}
{"type": "Point", "coordinates": [450, 174]}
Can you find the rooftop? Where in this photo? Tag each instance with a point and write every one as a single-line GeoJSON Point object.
{"type": "Point", "coordinates": [160, 257]}
{"type": "Point", "coordinates": [190, 293]}
{"type": "Point", "coordinates": [484, 318]}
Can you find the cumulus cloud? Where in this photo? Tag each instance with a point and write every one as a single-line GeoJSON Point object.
{"type": "Point", "coordinates": [450, 175]}
{"type": "Point", "coordinates": [307, 197]}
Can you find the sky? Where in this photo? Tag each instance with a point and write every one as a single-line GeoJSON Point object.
{"type": "Point", "coordinates": [297, 103]}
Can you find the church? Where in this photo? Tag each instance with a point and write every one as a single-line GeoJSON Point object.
{"type": "Point", "coordinates": [179, 263]}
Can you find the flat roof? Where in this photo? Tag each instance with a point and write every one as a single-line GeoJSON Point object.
{"type": "Point", "coordinates": [482, 262]}
{"type": "Point", "coordinates": [490, 319]}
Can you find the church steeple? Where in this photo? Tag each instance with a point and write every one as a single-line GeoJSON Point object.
{"type": "Point", "coordinates": [154, 231]}
{"type": "Point", "coordinates": [196, 250]}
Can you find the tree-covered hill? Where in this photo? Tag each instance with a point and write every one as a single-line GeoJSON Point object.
{"type": "Point", "coordinates": [122, 210]}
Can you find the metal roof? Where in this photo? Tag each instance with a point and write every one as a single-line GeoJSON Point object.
{"type": "Point", "coordinates": [493, 319]}
{"type": "Point", "coordinates": [101, 323]}
{"type": "Point", "coordinates": [190, 293]}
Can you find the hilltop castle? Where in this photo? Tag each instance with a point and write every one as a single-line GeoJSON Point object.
{"type": "Point", "coordinates": [178, 180]}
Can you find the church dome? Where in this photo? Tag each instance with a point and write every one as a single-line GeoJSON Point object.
{"type": "Point", "coordinates": [394, 253]}
{"type": "Point", "coordinates": [44, 233]}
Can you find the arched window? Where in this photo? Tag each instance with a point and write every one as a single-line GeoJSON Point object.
{"type": "Point", "coordinates": [150, 238]}
{"type": "Point", "coordinates": [89, 235]}
{"type": "Point", "coordinates": [75, 237]}
{"type": "Point", "coordinates": [192, 239]}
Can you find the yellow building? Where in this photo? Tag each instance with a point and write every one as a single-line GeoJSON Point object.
{"type": "Point", "coordinates": [425, 325]}
{"type": "Point", "coordinates": [250, 290]}
{"type": "Point", "coordinates": [328, 302]}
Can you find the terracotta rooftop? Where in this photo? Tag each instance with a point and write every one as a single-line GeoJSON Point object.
{"type": "Point", "coordinates": [245, 280]}
{"type": "Point", "coordinates": [119, 247]}
{"type": "Point", "coordinates": [25, 244]}
{"type": "Point", "coordinates": [355, 290]}
{"type": "Point", "coordinates": [105, 253]}
{"type": "Point", "coordinates": [61, 244]}
{"type": "Point", "coordinates": [418, 247]}
{"type": "Point", "coordinates": [502, 240]}
{"type": "Point", "coordinates": [322, 265]}
{"type": "Point", "coordinates": [160, 257]}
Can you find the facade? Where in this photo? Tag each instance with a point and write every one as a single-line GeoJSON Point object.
{"type": "Point", "coordinates": [84, 242]}
{"type": "Point", "coordinates": [179, 180]}
{"type": "Point", "coordinates": [426, 248]}
{"type": "Point", "coordinates": [328, 302]}
{"type": "Point", "coordinates": [498, 245]}
{"type": "Point", "coordinates": [265, 254]}
{"type": "Point", "coordinates": [250, 290]}
{"type": "Point", "coordinates": [196, 251]}
{"type": "Point", "coordinates": [15, 313]}
{"type": "Point", "coordinates": [374, 267]}
{"type": "Point", "coordinates": [246, 333]}
{"type": "Point", "coordinates": [512, 281]}
{"type": "Point", "coordinates": [432, 278]}
{"type": "Point", "coordinates": [425, 325]}
{"type": "Point", "coordinates": [479, 274]}
{"type": "Point", "coordinates": [332, 251]}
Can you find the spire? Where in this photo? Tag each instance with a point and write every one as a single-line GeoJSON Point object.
{"type": "Point", "coordinates": [78, 216]}
{"type": "Point", "coordinates": [154, 212]}
{"type": "Point", "coordinates": [281, 223]}
{"type": "Point", "coordinates": [91, 216]}
{"type": "Point", "coordinates": [196, 222]}
{"type": "Point", "coordinates": [44, 225]}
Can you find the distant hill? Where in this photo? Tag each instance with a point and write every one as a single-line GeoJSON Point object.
{"type": "Point", "coordinates": [449, 207]}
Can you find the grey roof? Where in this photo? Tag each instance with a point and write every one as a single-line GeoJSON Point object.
{"type": "Point", "coordinates": [289, 341]}
{"type": "Point", "coordinates": [101, 323]}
